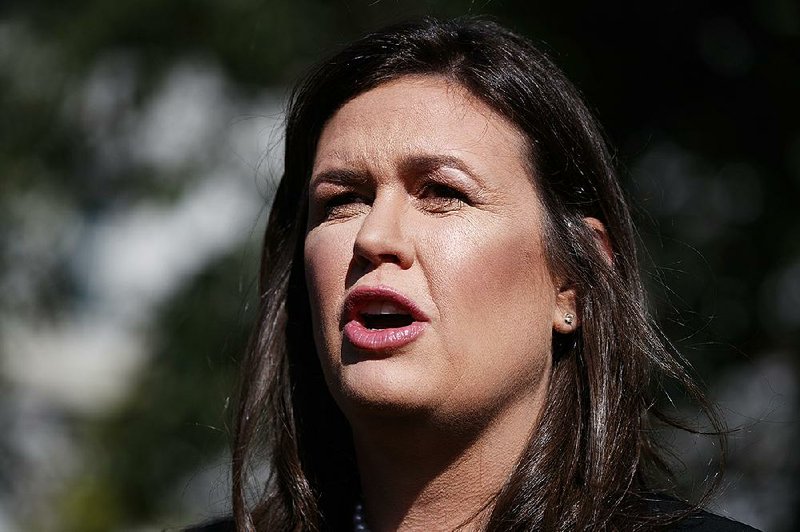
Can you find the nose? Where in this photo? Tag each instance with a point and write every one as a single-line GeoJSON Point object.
{"type": "Point", "coordinates": [382, 237]}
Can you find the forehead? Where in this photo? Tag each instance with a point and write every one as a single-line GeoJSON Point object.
{"type": "Point", "coordinates": [419, 114]}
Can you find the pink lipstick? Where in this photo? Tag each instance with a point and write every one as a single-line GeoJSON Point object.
{"type": "Point", "coordinates": [379, 318]}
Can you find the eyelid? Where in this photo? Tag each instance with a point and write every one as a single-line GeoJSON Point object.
{"type": "Point", "coordinates": [338, 205]}
{"type": "Point", "coordinates": [443, 188]}
{"type": "Point", "coordinates": [324, 191]}
{"type": "Point", "coordinates": [339, 177]}
{"type": "Point", "coordinates": [457, 176]}
{"type": "Point", "coordinates": [459, 180]}
{"type": "Point", "coordinates": [455, 180]}
{"type": "Point", "coordinates": [338, 194]}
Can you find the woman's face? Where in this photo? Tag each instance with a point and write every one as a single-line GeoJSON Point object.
{"type": "Point", "coordinates": [426, 271]}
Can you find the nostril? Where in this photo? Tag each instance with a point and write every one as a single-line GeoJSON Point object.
{"type": "Point", "coordinates": [367, 261]}
{"type": "Point", "coordinates": [389, 257]}
{"type": "Point", "coordinates": [369, 256]}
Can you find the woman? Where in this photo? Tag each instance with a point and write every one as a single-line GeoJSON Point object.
{"type": "Point", "coordinates": [453, 333]}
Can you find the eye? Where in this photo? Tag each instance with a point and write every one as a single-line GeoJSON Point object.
{"type": "Point", "coordinates": [439, 197]}
{"type": "Point", "coordinates": [343, 205]}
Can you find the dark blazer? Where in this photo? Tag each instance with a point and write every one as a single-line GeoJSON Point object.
{"type": "Point", "coordinates": [701, 522]}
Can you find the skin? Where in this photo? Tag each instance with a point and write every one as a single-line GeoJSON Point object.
{"type": "Point", "coordinates": [419, 186]}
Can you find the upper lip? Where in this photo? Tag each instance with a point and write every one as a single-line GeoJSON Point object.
{"type": "Point", "coordinates": [362, 296]}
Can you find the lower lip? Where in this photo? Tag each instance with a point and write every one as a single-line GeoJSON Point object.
{"type": "Point", "coordinates": [382, 339]}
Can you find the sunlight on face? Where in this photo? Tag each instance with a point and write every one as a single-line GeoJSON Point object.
{"type": "Point", "coordinates": [426, 270]}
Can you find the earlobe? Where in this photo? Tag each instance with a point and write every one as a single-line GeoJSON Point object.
{"type": "Point", "coordinates": [565, 315]}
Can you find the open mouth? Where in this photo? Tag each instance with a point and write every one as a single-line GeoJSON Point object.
{"type": "Point", "coordinates": [384, 315]}
{"type": "Point", "coordinates": [381, 319]}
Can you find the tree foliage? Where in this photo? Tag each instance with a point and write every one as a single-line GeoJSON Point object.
{"type": "Point", "coordinates": [699, 99]}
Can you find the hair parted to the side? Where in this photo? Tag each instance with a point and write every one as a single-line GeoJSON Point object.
{"type": "Point", "coordinates": [591, 462]}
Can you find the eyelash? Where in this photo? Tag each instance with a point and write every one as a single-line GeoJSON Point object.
{"type": "Point", "coordinates": [341, 201]}
{"type": "Point", "coordinates": [436, 197]}
{"type": "Point", "coordinates": [444, 197]}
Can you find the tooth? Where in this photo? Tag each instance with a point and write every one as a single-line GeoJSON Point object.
{"type": "Point", "coordinates": [373, 307]}
{"type": "Point", "coordinates": [382, 307]}
{"type": "Point", "coordinates": [389, 308]}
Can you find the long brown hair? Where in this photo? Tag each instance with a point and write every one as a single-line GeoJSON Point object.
{"type": "Point", "coordinates": [592, 461]}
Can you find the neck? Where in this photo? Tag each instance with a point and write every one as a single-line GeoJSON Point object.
{"type": "Point", "coordinates": [424, 475]}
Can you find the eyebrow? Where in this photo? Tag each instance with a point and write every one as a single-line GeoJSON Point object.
{"type": "Point", "coordinates": [429, 163]}
{"type": "Point", "coordinates": [410, 165]}
{"type": "Point", "coordinates": [340, 176]}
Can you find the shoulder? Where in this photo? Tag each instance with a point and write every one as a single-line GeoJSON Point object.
{"type": "Point", "coordinates": [708, 522]}
{"type": "Point", "coordinates": [699, 520]}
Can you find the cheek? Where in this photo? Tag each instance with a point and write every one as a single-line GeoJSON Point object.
{"type": "Point", "coordinates": [326, 255]}
{"type": "Point", "coordinates": [492, 280]}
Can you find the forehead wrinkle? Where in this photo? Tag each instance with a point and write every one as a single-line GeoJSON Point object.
{"type": "Point", "coordinates": [360, 152]}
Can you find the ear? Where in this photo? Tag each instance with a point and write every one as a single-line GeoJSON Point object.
{"type": "Point", "coordinates": [601, 239]}
{"type": "Point", "coordinates": [565, 314]}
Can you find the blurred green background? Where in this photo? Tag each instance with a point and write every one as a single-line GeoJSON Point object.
{"type": "Point", "coordinates": [140, 143]}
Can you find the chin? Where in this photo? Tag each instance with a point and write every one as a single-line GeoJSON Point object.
{"type": "Point", "coordinates": [383, 387]}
